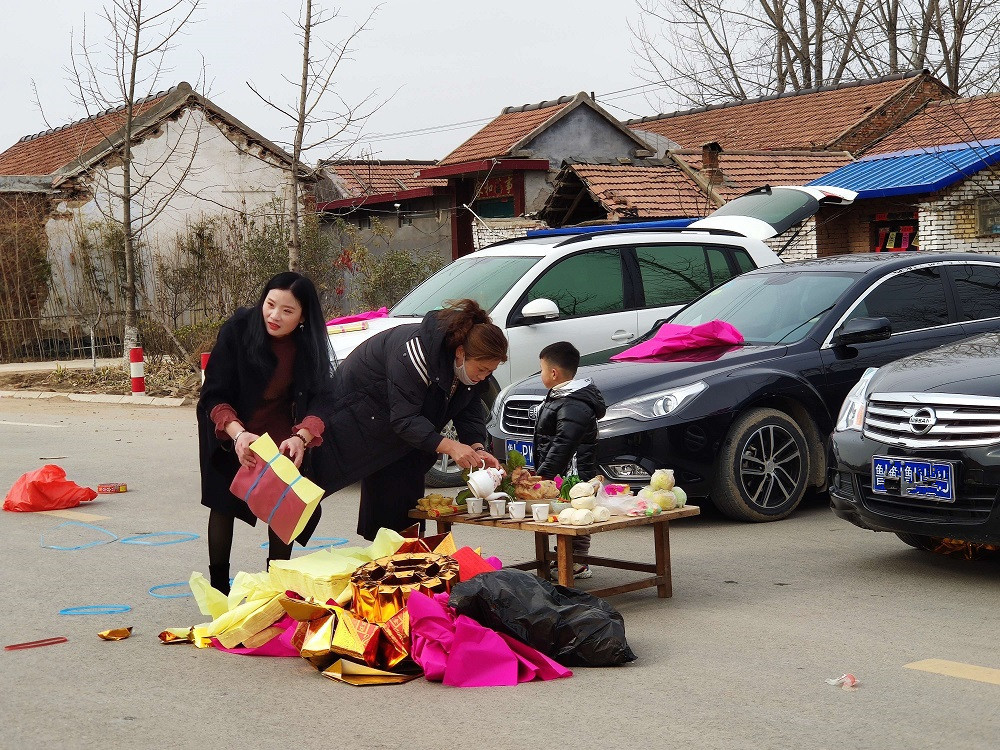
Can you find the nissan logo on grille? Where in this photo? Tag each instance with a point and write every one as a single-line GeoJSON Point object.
{"type": "Point", "coordinates": [923, 420]}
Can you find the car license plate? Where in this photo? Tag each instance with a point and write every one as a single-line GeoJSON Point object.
{"type": "Point", "coordinates": [525, 447]}
{"type": "Point", "coordinates": [913, 477]}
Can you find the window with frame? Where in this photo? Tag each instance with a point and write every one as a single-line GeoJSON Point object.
{"type": "Point", "coordinates": [675, 274]}
{"type": "Point", "coordinates": [912, 300]}
{"type": "Point", "coordinates": [586, 284]}
{"type": "Point", "coordinates": [977, 287]}
{"type": "Point", "coordinates": [988, 215]}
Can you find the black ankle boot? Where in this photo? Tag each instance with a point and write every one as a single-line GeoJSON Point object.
{"type": "Point", "coordinates": [219, 577]}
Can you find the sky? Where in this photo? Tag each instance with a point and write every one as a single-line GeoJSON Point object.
{"type": "Point", "coordinates": [430, 63]}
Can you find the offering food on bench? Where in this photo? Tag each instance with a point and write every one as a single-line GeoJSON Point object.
{"type": "Point", "coordinates": [437, 504]}
{"type": "Point", "coordinates": [531, 487]}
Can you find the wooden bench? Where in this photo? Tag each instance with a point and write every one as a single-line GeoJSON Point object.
{"type": "Point", "coordinates": [563, 555]}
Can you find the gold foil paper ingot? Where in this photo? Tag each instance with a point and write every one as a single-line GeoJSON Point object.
{"type": "Point", "coordinates": [356, 638]}
{"type": "Point", "coordinates": [381, 588]}
{"type": "Point", "coordinates": [317, 641]}
{"type": "Point", "coordinates": [115, 634]}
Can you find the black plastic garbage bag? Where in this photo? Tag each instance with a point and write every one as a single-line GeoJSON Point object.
{"type": "Point", "coordinates": [570, 626]}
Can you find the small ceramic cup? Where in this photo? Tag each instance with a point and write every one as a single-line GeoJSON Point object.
{"type": "Point", "coordinates": [517, 509]}
{"type": "Point", "coordinates": [497, 508]}
{"type": "Point", "coordinates": [474, 504]}
{"type": "Point", "coordinates": [540, 512]}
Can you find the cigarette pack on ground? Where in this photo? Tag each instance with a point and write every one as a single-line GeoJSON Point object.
{"type": "Point", "coordinates": [110, 488]}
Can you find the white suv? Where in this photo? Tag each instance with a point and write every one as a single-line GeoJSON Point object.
{"type": "Point", "coordinates": [598, 289]}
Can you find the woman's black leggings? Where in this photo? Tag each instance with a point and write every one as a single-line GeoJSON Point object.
{"type": "Point", "coordinates": [220, 546]}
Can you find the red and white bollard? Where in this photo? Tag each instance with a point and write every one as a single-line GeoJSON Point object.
{"type": "Point", "coordinates": [137, 371]}
{"type": "Point", "coordinates": [204, 365]}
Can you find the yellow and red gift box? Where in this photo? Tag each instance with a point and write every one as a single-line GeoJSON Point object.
{"type": "Point", "coordinates": [275, 490]}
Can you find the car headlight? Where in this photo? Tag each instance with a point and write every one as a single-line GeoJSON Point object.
{"type": "Point", "coordinates": [654, 405]}
{"type": "Point", "coordinates": [852, 413]}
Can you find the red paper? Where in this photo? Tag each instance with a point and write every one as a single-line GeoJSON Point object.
{"type": "Point", "coordinates": [470, 564]}
{"type": "Point", "coordinates": [269, 491]}
{"type": "Point", "coordinates": [46, 489]}
{"type": "Point", "coordinates": [677, 338]}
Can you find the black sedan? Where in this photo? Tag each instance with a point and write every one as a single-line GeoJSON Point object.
{"type": "Point", "coordinates": [747, 426]}
{"type": "Point", "coordinates": [917, 447]}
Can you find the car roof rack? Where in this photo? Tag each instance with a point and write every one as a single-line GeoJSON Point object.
{"type": "Point", "coordinates": [662, 230]}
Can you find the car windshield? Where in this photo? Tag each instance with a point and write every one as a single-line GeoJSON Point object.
{"type": "Point", "coordinates": [486, 279]}
{"type": "Point", "coordinates": [769, 308]}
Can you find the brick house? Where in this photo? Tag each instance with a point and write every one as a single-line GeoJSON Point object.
{"type": "Point", "coordinates": [187, 152]}
{"type": "Point", "coordinates": [933, 183]}
{"type": "Point", "coordinates": [501, 176]}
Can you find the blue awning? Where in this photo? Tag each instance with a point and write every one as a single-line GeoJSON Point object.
{"type": "Point", "coordinates": [915, 171]}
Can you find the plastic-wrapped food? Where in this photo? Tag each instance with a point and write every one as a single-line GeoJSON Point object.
{"type": "Point", "coordinates": [662, 479]}
{"type": "Point", "coordinates": [570, 626]}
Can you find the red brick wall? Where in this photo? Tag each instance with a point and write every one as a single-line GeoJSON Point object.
{"type": "Point", "coordinates": [888, 118]}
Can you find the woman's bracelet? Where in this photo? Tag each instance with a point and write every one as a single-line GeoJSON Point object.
{"type": "Point", "coordinates": [305, 443]}
{"type": "Point", "coordinates": [238, 436]}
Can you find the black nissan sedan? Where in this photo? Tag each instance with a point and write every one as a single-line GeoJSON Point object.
{"type": "Point", "coordinates": [917, 445]}
{"type": "Point", "coordinates": [747, 426]}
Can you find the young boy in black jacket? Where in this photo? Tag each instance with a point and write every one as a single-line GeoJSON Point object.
{"type": "Point", "coordinates": [567, 425]}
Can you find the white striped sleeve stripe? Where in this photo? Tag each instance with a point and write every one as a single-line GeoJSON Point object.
{"type": "Point", "coordinates": [416, 353]}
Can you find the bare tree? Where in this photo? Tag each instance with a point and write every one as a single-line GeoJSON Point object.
{"type": "Point", "coordinates": [313, 125]}
{"type": "Point", "coordinates": [120, 71]}
{"type": "Point", "coordinates": [705, 51]}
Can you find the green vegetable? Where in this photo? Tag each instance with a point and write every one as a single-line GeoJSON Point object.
{"type": "Point", "coordinates": [567, 485]}
{"type": "Point", "coordinates": [515, 460]}
{"type": "Point", "coordinates": [462, 496]}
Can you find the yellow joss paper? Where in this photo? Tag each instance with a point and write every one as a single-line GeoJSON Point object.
{"type": "Point", "coordinates": [211, 602]}
{"type": "Point", "coordinates": [115, 634]}
{"type": "Point", "coordinates": [325, 575]}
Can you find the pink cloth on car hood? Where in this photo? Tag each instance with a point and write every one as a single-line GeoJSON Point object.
{"type": "Point", "coordinates": [458, 651]}
{"type": "Point", "coordinates": [676, 338]}
{"type": "Point", "coordinates": [382, 312]}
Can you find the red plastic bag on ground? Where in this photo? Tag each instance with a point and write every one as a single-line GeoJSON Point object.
{"type": "Point", "coordinates": [46, 488]}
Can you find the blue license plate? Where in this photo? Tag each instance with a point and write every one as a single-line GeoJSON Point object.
{"type": "Point", "coordinates": [913, 477]}
{"type": "Point", "coordinates": [525, 447]}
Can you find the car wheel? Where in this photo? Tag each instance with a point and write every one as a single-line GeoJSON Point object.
{"type": "Point", "coordinates": [763, 467]}
{"type": "Point", "coordinates": [445, 472]}
{"type": "Point", "coordinates": [926, 543]}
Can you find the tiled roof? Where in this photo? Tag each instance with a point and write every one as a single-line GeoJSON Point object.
{"type": "Point", "coordinates": [498, 137]}
{"type": "Point", "coordinates": [50, 151]}
{"type": "Point", "coordinates": [802, 120]}
{"type": "Point", "coordinates": [362, 178]}
{"type": "Point", "coordinates": [941, 123]}
{"type": "Point", "coordinates": [744, 171]}
{"type": "Point", "coordinates": [644, 191]}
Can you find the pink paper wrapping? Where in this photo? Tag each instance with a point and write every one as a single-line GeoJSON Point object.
{"type": "Point", "coordinates": [676, 338]}
{"type": "Point", "coordinates": [382, 312]}
{"type": "Point", "coordinates": [460, 652]}
{"type": "Point", "coordinates": [280, 645]}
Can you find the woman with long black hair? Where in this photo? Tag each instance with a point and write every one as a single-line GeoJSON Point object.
{"type": "Point", "coordinates": [269, 372]}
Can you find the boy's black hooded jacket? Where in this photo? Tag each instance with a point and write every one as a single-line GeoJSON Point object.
{"type": "Point", "coordinates": [567, 424]}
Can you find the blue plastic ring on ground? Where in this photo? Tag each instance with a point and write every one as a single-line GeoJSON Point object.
{"type": "Point", "coordinates": [95, 543]}
{"type": "Point", "coordinates": [185, 536]}
{"type": "Point", "coordinates": [153, 591]}
{"type": "Point", "coordinates": [333, 541]}
{"type": "Point", "coordinates": [97, 609]}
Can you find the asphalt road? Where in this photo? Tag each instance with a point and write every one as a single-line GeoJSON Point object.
{"type": "Point", "coordinates": [761, 616]}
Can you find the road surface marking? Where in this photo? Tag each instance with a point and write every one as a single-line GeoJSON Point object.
{"type": "Point", "coordinates": [957, 669]}
{"type": "Point", "coordinates": [28, 424]}
{"type": "Point", "coordinates": [75, 515]}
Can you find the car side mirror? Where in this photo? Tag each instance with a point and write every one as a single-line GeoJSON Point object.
{"type": "Point", "coordinates": [862, 330]}
{"type": "Point", "coordinates": [538, 310]}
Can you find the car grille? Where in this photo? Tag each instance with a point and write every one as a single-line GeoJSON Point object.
{"type": "Point", "coordinates": [958, 421]}
{"type": "Point", "coordinates": [973, 503]}
{"type": "Point", "coordinates": [516, 418]}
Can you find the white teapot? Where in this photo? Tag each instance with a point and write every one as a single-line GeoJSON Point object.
{"type": "Point", "coordinates": [484, 482]}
